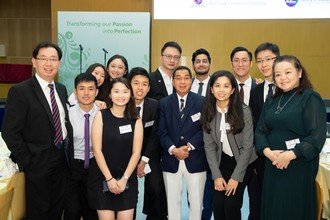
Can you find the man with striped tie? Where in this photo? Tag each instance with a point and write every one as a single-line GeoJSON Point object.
{"type": "Point", "coordinates": [181, 139]}
{"type": "Point", "coordinates": [36, 129]}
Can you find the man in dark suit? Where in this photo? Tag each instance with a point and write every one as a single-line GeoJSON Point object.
{"type": "Point", "coordinates": [265, 55]}
{"type": "Point", "coordinates": [161, 80]}
{"type": "Point", "coordinates": [36, 129]}
{"type": "Point", "coordinates": [241, 62]}
{"type": "Point", "coordinates": [149, 166]}
{"type": "Point", "coordinates": [181, 139]}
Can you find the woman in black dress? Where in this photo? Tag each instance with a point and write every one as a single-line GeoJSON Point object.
{"type": "Point", "coordinates": [117, 136]}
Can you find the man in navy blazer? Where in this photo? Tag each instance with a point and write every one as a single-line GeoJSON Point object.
{"type": "Point", "coordinates": [30, 134]}
{"type": "Point", "coordinates": [181, 139]}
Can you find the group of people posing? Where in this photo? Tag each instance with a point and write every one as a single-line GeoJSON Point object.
{"type": "Point", "coordinates": [217, 133]}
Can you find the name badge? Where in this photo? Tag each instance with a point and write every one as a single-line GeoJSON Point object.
{"type": "Point", "coordinates": [125, 129]}
{"type": "Point", "coordinates": [196, 117]}
{"type": "Point", "coordinates": [149, 123]}
{"type": "Point", "coordinates": [227, 126]}
{"type": "Point", "coordinates": [290, 144]}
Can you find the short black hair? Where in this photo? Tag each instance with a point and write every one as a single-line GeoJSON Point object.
{"type": "Point", "coordinates": [171, 44]}
{"type": "Point", "coordinates": [198, 52]}
{"type": "Point", "coordinates": [181, 68]}
{"type": "Point", "coordinates": [47, 44]}
{"type": "Point", "coordinates": [239, 49]}
{"type": "Point", "coordinates": [267, 46]}
{"type": "Point", "coordinates": [138, 71]}
{"type": "Point", "coordinates": [84, 77]}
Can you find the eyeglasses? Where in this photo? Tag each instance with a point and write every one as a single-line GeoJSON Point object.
{"type": "Point", "coordinates": [45, 60]}
{"type": "Point", "coordinates": [266, 60]}
{"type": "Point", "coordinates": [170, 57]}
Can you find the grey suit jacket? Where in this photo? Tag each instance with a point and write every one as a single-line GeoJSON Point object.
{"type": "Point", "coordinates": [241, 145]}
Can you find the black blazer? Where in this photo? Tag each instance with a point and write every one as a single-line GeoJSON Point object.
{"type": "Point", "coordinates": [150, 147]}
{"type": "Point", "coordinates": [28, 127]}
{"type": "Point", "coordinates": [256, 102]}
{"type": "Point", "coordinates": [157, 86]}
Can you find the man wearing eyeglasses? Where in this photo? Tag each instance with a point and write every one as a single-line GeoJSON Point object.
{"type": "Point", "coordinates": [36, 129]}
{"type": "Point", "coordinates": [241, 62]}
{"type": "Point", "coordinates": [161, 80]}
{"type": "Point", "coordinates": [265, 55]}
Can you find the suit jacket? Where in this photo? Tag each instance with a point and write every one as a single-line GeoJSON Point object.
{"type": "Point", "coordinates": [241, 145]}
{"type": "Point", "coordinates": [257, 102]}
{"type": "Point", "coordinates": [157, 86]}
{"type": "Point", "coordinates": [150, 147]}
{"type": "Point", "coordinates": [28, 127]}
{"type": "Point", "coordinates": [173, 131]}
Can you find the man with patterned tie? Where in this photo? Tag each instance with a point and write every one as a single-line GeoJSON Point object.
{"type": "Point", "coordinates": [81, 118]}
{"type": "Point", "coordinates": [181, 139]}
{"type": "Point", "coordinates": [201, 61]}
{"type": "Point", "coordinates": [265, 54]}
{"type": "Point", "coordinates": [37, 131]}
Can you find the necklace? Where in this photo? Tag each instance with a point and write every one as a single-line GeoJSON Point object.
{"type": "Point", "coordinates": [279, 108]}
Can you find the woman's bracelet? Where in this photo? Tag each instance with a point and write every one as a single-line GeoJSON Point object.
{"type": "Point", "coordinates": [109, 179]}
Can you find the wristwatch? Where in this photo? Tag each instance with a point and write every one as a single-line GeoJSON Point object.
{"type": "Point", "coordinates": [125, 177]}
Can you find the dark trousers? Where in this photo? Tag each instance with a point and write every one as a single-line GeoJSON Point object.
{"type": "Point", "coordinates": [254, 182]}
{"type": "Point", "coordinates": [228, 207]}
{"type": "Point", "coordinates": [76, 204]}
{"type": "Point", "coordinates": [154, 205]}
{"type": "Point", "coordinates": [45, 185]}
{"type": "Point", "coordinates": [207, 200]}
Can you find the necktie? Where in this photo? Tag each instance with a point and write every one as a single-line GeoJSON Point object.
{"type": "Point", "coordinates": [56, 118]}
{"type": "Point", "coordinates": [200, 88]}
{"type": "Point", "coordinates": [138, 110]}
{"type": "Point", "coordinates": [181, 109]}
{"type": "Point", "coordinates": [241, 92]}
{"type": "Point", "coordinates": [270, 90]}
{"type": "Point", "coordinates": [87, 141]}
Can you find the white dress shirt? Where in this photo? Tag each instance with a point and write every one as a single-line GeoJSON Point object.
{"type": "Point", "coordinates": [77, 120]}
{"type": "Point", "coordinates": [195, 85]}
{"type": "Point", "coordinates": [44, 86]}
{"type": "Point", "coordinates": [247, 89]}
{"type": "Point", "coordinates": [167, 81]}
{"type": "Point", "coordinates": [223, 130]}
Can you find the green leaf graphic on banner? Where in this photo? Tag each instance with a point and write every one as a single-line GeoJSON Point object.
{"type": "Point", "coordinates": [70, 62]}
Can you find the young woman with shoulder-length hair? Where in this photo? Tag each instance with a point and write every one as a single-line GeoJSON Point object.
{"type": "Point", "coordinates": [228, 138]}
{"type": "Point", "coordinates": [117, 135]}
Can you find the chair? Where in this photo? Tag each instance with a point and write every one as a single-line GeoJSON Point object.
{"type": "Point", "coordinates": [17, 181]}
{"type": "Point", "coordinates": [5, 202]}
{"type": "Point", "coordinates": [319, 199]}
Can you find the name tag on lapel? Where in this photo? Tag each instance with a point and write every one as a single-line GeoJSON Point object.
{"type": "Point", "coordinates": [196, 117]}
{"type": "Point", "coordinates": [149, 123]}
{"type": "Point", "coordinates": [125, 129]}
